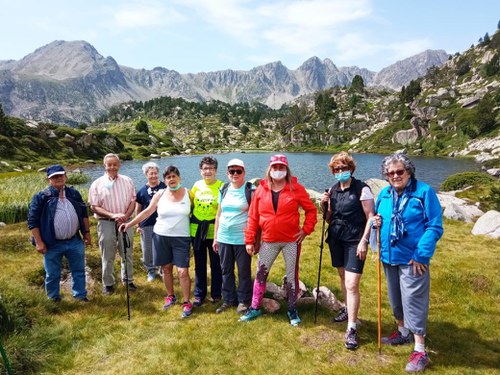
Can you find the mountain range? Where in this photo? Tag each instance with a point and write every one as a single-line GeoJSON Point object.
{"type": "Point", "coordinates": [71, 83]}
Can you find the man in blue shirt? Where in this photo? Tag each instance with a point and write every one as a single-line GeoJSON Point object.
{"type": "Point", "coordinates": [57, 219]}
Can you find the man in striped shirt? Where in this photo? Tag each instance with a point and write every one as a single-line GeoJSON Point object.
{"type": "Point", "coordinates": [112, 200]}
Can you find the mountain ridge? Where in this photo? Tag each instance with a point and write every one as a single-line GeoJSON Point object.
{"type": "Point", "coordinates": [70, 82]}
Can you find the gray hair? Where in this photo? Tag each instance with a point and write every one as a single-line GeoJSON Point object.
{"type": "Point", "coordinates": [110, 155]}
{"type": "Point", "coordinates": [395, 158]}
{"type": "Point", "coordinates": [150, 165]}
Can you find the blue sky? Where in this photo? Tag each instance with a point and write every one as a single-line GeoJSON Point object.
{"type": "Point", "coordinates": [192, 36]}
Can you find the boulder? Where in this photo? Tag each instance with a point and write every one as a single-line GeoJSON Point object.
{"type": "Point", "coordinates": [458, 209]}
{"type": "Point", "coordinates": [270, 305]}
{"type": "Point", "coordinates": [376, 185]}
{"type": "Point", "coordinates": [488, 224]}
{"type": "Point", "coordinates": [327, 299]}
{"type": "Point", "coordinates": [495, 172]}
{"type": "Point", "coordinates": [405, 137]}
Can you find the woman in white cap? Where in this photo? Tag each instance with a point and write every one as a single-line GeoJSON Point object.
{"type": "Point", "coordinates": [275, 210]}
{"type": "Point", "coordinates": [229, 241]}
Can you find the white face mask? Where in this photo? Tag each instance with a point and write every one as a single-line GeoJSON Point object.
{"type": "Point", "coordinates": [278, 175]}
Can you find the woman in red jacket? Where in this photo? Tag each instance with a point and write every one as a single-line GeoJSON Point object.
{"type": "Point", "coordinates": [275, 210]}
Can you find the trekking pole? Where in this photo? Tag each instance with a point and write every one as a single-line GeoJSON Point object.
{"type": "Point", "coordinates": [379, 294]}
{"type": "Point", "coordinates": [126, 243]}
{"type": "Point", "coordinates": [5, 360]}
{"type": "Point", "coordinates": [320, 261]}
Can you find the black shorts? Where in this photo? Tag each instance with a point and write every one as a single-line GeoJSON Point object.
{"type": "Point", "coordinates": [343, 254]}
{"type": "Point", "coordinates": [171, 250]}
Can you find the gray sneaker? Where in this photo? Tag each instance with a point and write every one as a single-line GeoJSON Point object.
{"type": "Point", "coordinates": [223, 307]}
{"type": "Point", "coordinates": [342, 316]}
{"type": "Point", "coordinates": [351, 339]}
{"type": "Point", "coordinates": [242, 308]}
{"type": "Point", "coordinates": [398, 339]}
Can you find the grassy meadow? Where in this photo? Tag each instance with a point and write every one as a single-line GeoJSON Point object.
{"type": "Point", "coordinates": [41, 337]}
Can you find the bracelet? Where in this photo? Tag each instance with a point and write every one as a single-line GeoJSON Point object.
{"type": "Point", "coordinates": [366, 240]}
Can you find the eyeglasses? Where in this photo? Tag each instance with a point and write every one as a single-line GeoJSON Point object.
{"type": "Point", "coordinates": [398, 172]}
{"type": "Point", "coordinates": [233, 171]}
{"type": "Point", "coordinates": [341, 168]}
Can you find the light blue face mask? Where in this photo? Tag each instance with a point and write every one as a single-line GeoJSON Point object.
{"type": "Point", "coordinates": [343, 176]}
{"type": "Point", "coordinates": [175, 188]}
{"type": "Point", "coordinates": [109, 184]}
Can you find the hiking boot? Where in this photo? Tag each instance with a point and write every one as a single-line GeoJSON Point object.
{"type": "Point", "coordinates": [251, 314]}
{"type": "Point", "coordinates": [225, 306]}
{"type": "Point", "coordinates": [293, 315]}
{"type": "Point", "coordinates": [187, 309]}
{"type": "Point", "coordinates": [351, 339]}
{"type": "Point", "coordinates": [398, 339]}
{"type": "Point", "coordinates": [242, 308]}
{"type": "Point", "coordinates": [108, 290]}
{"type": "Point", "coordinates": [131, 286]}
{"type": "Point", "coordinates": [342, 316]}
{"type": "Point", "coordinates": [418, 362]}
{"type": "Point", "coordinates": [197, 302]}
{"type": "Point", "coordinates": [169, 301]}
{"type": "Point", "coordinates": [84, 299]}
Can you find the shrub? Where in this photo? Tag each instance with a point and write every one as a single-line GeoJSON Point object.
{"type": "Point", "coordinates": [77, 178]}
{"type": "Point", "coordinates": [461, 180]}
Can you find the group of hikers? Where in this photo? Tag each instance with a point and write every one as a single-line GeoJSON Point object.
{"type": "Point", "coordinates": [226, 224]}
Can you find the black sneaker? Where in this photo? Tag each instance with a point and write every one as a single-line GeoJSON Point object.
{"type": "Point", "coordinates": [84, 299]}
{"type": "Point", "coordinates": [131, 286]}
{"type": "Point", "coordinates": [351, 339]}
{"type": "Point", "coordinates": [398, 339]}
{"type": "Point", "coordinates": [342, 316]}
{"type": "Point", "coordinates": [108, 290]}
{"type": "Point", "coordinates": [197, 302]}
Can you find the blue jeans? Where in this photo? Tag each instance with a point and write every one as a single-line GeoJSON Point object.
{"type": "Point", "coordinates": [229, 254]}
{"type": "Point", "coordinates": [74, 251]}
{"type": "Point", "coordinates": [200, 270]}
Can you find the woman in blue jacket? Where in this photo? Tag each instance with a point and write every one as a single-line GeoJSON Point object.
{"type": "Point", "coordinates": [410, 218]}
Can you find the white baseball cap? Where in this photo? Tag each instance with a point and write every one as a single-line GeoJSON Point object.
{"type": "Point", "coordinates": [236, 163]}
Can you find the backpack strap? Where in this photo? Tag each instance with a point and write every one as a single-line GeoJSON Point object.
{"type": "Point", "coordinates": [249, 190]}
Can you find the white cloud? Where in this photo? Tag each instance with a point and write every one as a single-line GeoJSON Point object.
{"type": "Point", "coordinates": [143, 14]}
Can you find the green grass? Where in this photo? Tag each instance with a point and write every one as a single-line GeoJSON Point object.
{"type": "Point", "coordinates": [73, 338]}
{"type": "Point", "coordinates": [16, 191]}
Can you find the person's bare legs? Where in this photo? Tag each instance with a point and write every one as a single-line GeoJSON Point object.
{"type": "Point", "coordinates": [168, 278]}
{"type": "Point", "coordinates": [185, 282]}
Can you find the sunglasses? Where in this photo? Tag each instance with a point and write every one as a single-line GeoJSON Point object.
{"type": "Point", "coordinates": [398, 172]}
{"type": "Point", "coordinates": [342, 168]}
{"type": "Point", "coordinates": [233, 171]}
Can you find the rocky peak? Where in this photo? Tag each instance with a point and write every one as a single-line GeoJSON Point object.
{"type": "Point", "coordinates": [402, 72]}
{"type": "Point", "coordinates": [62, 60]}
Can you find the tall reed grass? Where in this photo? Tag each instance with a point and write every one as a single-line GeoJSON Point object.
{"type": "Point", "coordinates": [16, 193]}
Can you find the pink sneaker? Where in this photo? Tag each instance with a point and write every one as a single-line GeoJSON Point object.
{"type": "Point", "coordinates": [187, 309]}
{"type": "Point", "coordinates": [418, 362]}
{"type": "Point", "coordinates": [169, 301]}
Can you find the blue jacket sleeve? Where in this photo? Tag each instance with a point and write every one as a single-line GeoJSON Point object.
{"type": "Point", "coordinates": [35, 212]}
{"type": "Point", "coordinates": [433, 228]}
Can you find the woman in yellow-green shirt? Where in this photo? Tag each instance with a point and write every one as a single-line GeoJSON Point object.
{"type": "Point", "coordinates": [206, 197]}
